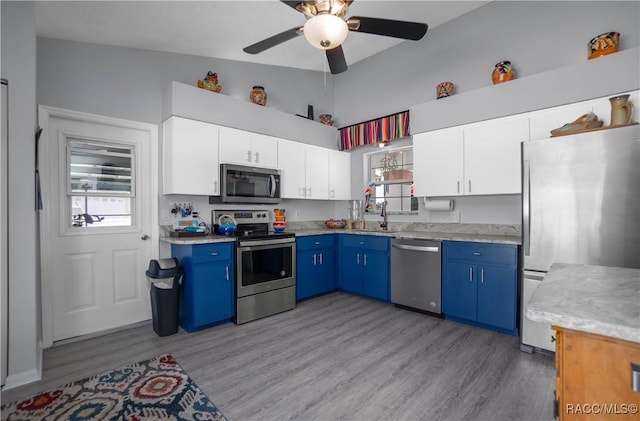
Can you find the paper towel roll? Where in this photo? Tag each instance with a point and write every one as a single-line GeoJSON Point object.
{"type": "Point", "coordinates": [438, 205]}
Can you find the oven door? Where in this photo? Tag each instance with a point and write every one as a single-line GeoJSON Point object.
{"type": "Point", "coordinates": [265, 265]}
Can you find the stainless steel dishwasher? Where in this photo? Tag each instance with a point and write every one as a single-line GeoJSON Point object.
{"type": "Point", "coordinates": [415, 274]}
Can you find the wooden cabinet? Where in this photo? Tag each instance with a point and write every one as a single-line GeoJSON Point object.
{"type": "Point", "coordinates": [480, 284]}
{"type": "Point", "coordinates": [476, 159]}
{"type": "Point", "coordinates": [305, 170]}
{"type": "Point", "coordinates": [315, 266]}
{"type": "Point", "coordinates": [247, 148]}
{"type": "Point", "coordinates": [595, 376]}
{"type": "Point", "coordinates": [363, 265]}
{"type": "Point", "coordinates": [207, 286]}
{"type": "Point", "coordinates": [339, 175]}
{"type": "Point", "coordinates": [190, 157]}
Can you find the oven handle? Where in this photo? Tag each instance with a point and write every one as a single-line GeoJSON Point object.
{"type": "Point", "coordinates": [260, 244]}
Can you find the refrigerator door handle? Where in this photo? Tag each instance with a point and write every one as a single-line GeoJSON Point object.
{"type": "Point", "coordinates": [526, 212]}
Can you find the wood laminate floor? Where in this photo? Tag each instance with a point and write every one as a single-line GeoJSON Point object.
{"type": "Point", "coordinates": [338, 356]}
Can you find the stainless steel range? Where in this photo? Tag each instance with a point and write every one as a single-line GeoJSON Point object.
{"type": "Point", "coordinates": [265, 266]}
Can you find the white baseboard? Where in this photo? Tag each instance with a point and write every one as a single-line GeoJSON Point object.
{"type": "Point", "coordinates": [20, 379]}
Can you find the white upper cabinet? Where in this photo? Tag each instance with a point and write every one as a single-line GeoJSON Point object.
{"type": "Point", "coordinates": [247, 148]}
{"type": "Point", "coordinates": [339, 175]}
{"type": "Point", "coordinates": [291, 162]}
{"type": "Point", "coordinates": [190, 157]}
{"type": "Point", "coordinates": [438, 163]}
{"type": "Point", "coordinates": [478, 159]}
{"type": "Point", "coordinates": [492, 156]}
{"type": "Point", "coordinates": [304, 170]}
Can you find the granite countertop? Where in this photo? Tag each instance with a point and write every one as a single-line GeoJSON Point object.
{"type": "Point", "coordinates": [483, 233]}
{"type": "Point", "coordinates": [593, 299]}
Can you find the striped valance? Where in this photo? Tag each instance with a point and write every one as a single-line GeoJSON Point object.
{"type": "Point", "coordinates": [383, 129]}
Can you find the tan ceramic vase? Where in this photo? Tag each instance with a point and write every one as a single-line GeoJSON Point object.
{"type": "Point", "coordinates": [621, 110]}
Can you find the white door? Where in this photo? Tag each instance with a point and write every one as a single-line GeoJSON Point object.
{"type": "Point", "coordinates": [339, 175]}
{"type": "Point", "coordinates": [317, 172]}
{"type": "Point", "coordinates": [438, 163]}
{"type": "Point", "coordinates": [291, 159]}
{"type": "Point", "coordinates": [99, 224]}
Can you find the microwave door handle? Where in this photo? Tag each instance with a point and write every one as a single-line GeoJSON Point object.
{"type": "Point", "coordinates": [272, 185]}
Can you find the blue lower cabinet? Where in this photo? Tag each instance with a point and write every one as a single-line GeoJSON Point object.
{"type": "Point", "coordinates": [363, 265]}
{"type": "Point", "coordinates": [207, 296]}
{"type": "Point", "coordinates": [315, 266]}
{"type": "Point", "coordinates": [480, 284]}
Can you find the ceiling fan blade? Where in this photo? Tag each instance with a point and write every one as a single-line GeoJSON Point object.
{"type": "Point", "coordinates": [291, 4]}
{"type": "Point", "coordinates": [267, 43]}
{"type": "Point", "coordinates": [337, 62]}
{"type": "Point", "coordinates": [387, 27]}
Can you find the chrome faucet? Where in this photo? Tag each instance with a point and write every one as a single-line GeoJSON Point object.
{"type": "Point", "coordinates": [383, 214]}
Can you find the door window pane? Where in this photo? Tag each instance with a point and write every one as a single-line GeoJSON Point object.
{"type": "Point", "coordinates": [100, 183]}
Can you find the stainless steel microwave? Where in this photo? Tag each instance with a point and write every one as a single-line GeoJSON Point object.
{"type": "Point", "coordinates": [241, 184]}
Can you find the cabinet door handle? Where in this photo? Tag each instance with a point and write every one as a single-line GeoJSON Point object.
{"type": "Point", "coordinates": [482, 275]}
{"type": "Point", "coordinates": [357, 258]}
{"type": "Point", "coordinates": [215, 187]}
{"type": "Point", "coordinates": [332, 193]}
{"type": "Point", "coordinates": [365, 260]}
{"type": "Point", "coordinates": [469, 186]}
{"type": "Point", "coordinates": [214, 254]}
{"type": "Point", "coordinates": [458, 186]}
{"type": "Point", "coordinates": [309, 192]}
{"type": "Point", "coordinates": [248, 156]}
{"type": "Point", "coordinates": [470, 274]}
{"type": "Point", "coordinates": [476, 253]}
{"type": "Point", "coordinates": [227, 270]}
{"type": "Point", "coordinates": [257, 157]}
{"type": "Point", "coordinates": [320, 258]}
{"type": "Point", "coordinates": [317, 243]}
{"type": "Point", "coordinates": [314, 259]}
{"type": "Point", "coordinates": [303, 191]}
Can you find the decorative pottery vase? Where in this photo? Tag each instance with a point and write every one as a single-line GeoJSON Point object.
{"type": "Point", "coordinates": [258, 95]}
{"type": "Point", "coordinates": [210, 82]}
{"type": "Point", "coordinates": [444, 89]}
{"type": "Point", "coordinates": [326, 119]}
{"type": "Point", "coordinates": [621, 110]}
{"type": "Point", "coordinates": [604, 44]}
{"type": "Point", "coordinates": [503, 72]}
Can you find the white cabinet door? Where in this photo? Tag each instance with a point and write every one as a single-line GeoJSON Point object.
{"type": "Point", "coordinates": [438, 163]}
{"type": "Point", "coordinates": [317, 172]}
{"type": "Point", "coordinates": [492, 156]}
{"type": "Point", "coordinates": [235, 146]}
{"type": "Point", "coordinates": [247, 148]}
{"type": "Point", "coordinates": [264, 150]}
{"type": "Point", "coordinates": [190, 157]}
{"type": "Point", "coordinates": [339, 175]}
{"type": "Point", "coordinates": [291, 162]}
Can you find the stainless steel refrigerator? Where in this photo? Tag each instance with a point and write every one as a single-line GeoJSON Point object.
{"type": "Point", "coordinates": [580, 204]}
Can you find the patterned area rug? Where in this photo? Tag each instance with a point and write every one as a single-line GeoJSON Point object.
{"type": "Point", "coordinates": [156, 389]}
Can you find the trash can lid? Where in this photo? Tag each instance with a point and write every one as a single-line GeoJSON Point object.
{"type": "Point", "coordinates": [164, 268]}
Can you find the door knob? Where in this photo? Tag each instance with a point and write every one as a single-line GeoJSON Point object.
{"type": "Point", "coordinates": [144, 237]}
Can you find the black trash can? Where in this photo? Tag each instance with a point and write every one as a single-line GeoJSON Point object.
{"type": "Point", "coordinates": [164, 278]}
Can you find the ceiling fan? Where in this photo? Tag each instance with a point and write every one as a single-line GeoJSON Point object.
{"type": "Point", "coordinates": [327, 27]}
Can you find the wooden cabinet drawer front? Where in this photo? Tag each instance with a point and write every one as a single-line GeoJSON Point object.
{"type": "Point", "coordinates": [505, 254]}
{"type": "Point", "coordinates": [315, 242]}
{"type": "Point", "coordinates": [212, 252]}
{"type": "Point", "coordinates": [370, 242]}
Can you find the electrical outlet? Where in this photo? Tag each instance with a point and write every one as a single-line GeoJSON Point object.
{"type": "Point", "coordinates": [455, 216]}
{"type": "Point", "coordinates": [165, 214]}
{"type": "Point", "coordinates": [297, 213]}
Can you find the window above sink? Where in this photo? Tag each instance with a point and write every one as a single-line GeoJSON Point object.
{"type": "Point", "coordinates": [389, 176]}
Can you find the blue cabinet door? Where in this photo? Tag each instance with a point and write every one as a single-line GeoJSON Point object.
{"type": "Point", "coordinates": [325, 271]}
{"type": "Point", "coordinates": [376, 275]}
{"type": "Point", "coordinates": [350, 270]}
{"type": "Point", "coordinates": [306, 274]}
{"type": "Point", "coordinates": [459, 291]}
{"type": "Point", "coordinates": [212, 293]}
{"type": "Point", "coordinates": [497, 296]}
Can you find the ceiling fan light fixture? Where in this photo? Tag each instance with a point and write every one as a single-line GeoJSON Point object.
{"type": "Point", "coordinates": [325, 31]}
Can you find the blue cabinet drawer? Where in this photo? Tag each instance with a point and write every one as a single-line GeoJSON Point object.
{"type": "Point", "coordinates": [505, 254]}
{"type": "Point", "coordinates": [314, 242]}
{"type": "Point", "coordinates": [370, 242]}
{"type": "Point", "coordinates": [212, 252]}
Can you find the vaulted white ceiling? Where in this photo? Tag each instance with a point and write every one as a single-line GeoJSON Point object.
{"type": "Point", "coordinates": [222, 29]}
